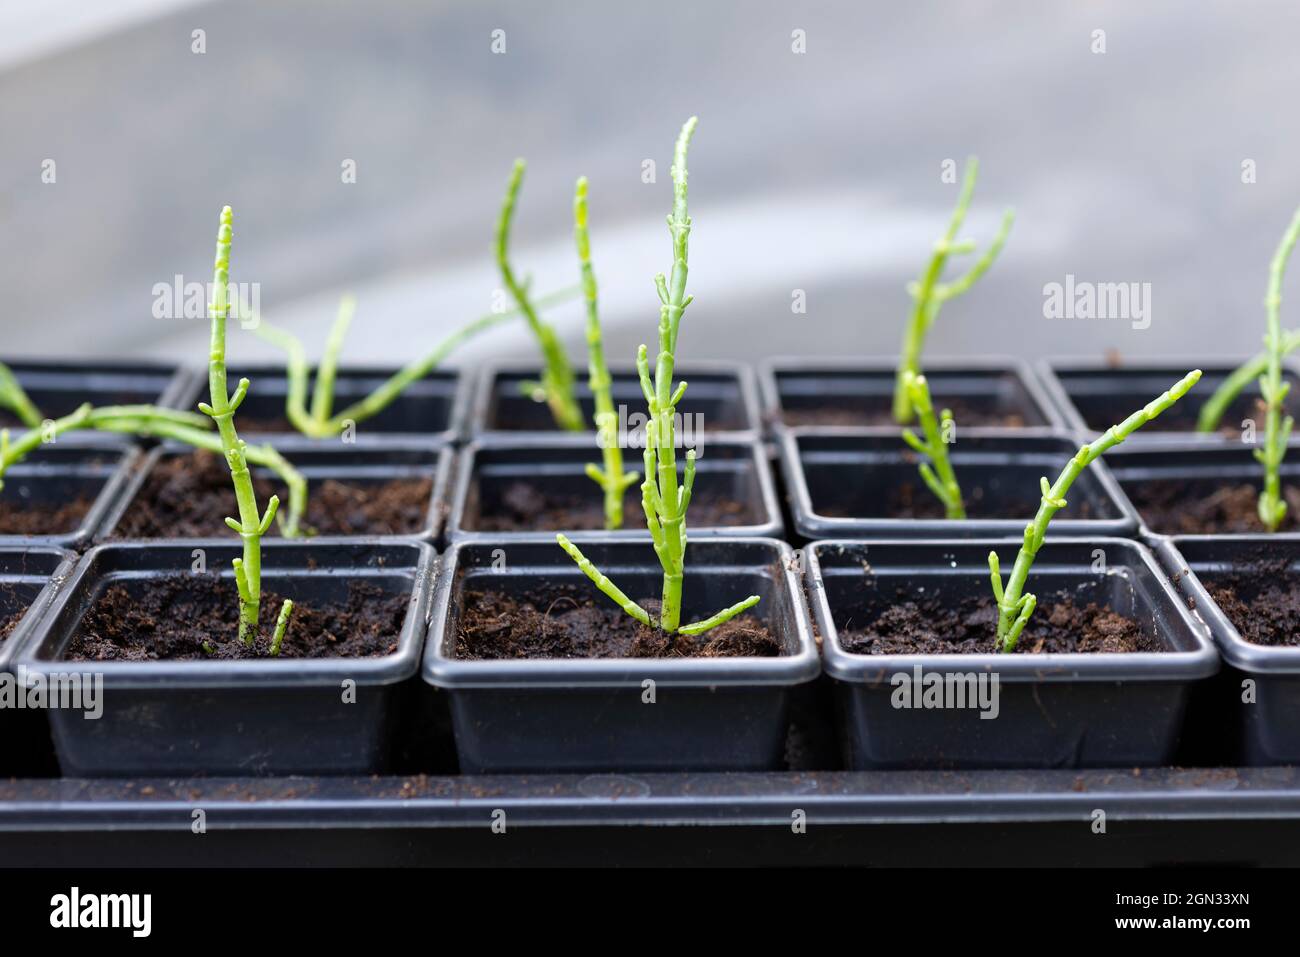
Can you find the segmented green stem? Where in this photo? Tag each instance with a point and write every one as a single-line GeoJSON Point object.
{"type": "Point", "coordinates": [1216, 406]}
{"type": "Point", "coordinates": [612, 479]}
{"type": "Point", "coordinates": [663, 500]}
{"type": "Point", "coordinates": [1272, 506]}
{"type": "Point", "coordinates": [939, 477]}
{"type": "Point", "coordinates": [1015, 608]}
{"type": "Point", "coordinates": [601, 582]}
{"type": "Point", "coordinates": [322, 400]}
{"type": "Point", "coordinates": [14, 398]}
{"type": "Point", "coordinates": [281, 626]}
{"type": "Point", "coordinates": [929, 295]}
{"type": "Point", "coordinates": [557, 373]}
{"type": "Point", "coordinates": [251, 525]}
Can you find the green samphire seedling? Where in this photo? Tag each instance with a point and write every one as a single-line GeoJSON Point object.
{"type": "Point", "coordinates": [252, 524]}
{"type": "Point", "coordinates": [1015, 605]}
{"type": "Point", "coordinates": [663, 499]}
{"type": "Point", "coordinates": [929, 295]}
{"type": "Point", "coordinates": [936, 467]}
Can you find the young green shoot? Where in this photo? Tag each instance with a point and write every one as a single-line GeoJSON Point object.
{"type": "Point", "coordinates": [252, 523]}
{"type": "Point", "coordinates": [1277, 430]}
{"type": "Point", "coordinates": [929, 295]}
{"type": "Point", "coordinates": [663, 499]}
{"type": "Point", "coordinates": [937, 472]}
{"type": "Point", "coordinates": [14, 398]}
{"type": "Point", "coordinates": [1015, 606]}
{"type": "Point", "coordinates": [612, 480]}
{"type": "Point", "coordinates": [557, 374]}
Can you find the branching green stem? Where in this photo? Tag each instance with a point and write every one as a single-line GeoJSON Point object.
{"type": "Point", "coordinates": [939, 479]}
{"type": "Point", "coordinates": [14, 398]}
{"type": "Point", "coordinates": [1216, 405]}
{"type": "Point", "coordinates": [1015, 608]}
{"type": "Point", "coordinates": [557, 373]}
{"type": "Point", "coordinates": [929, 295]}
{"type": "Point", "coordinates": [1272, 506]}
{"type": "Point", "coordinates": [663, 499]}
{"type": "Point", "coordinates": [612, 479]}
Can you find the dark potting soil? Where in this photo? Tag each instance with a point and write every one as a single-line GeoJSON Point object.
{"type": "Point", "coordinates": [42, 518]}
{"type": "Point", "coordinates": [965, 413]}
{"type": "Point", "coordinates": [909, 500]}
{"type": "Point", "coordinates": [934, 626]}
{"type": "Point", "coordinates": [189, 496]}
{"type": "Point", "coordinates": [1179, 507]}
{"type": "Point", "coordinates": [525, 507]}
{"type": "Point", "coordinates": [172, 617]}
{"type": "Point", "coordinates": [1262, 601]}
{"type": "Point", "coordinates": [565, 622]}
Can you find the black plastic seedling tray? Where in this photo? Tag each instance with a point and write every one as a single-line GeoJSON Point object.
{"type": "Point", "coordinates": [59, 387]}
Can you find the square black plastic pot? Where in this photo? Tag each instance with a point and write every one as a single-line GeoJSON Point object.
{"type": "Point", "coordinates": [64, 472]}
{"type": "Point", "coordinates": [721, 399]}
{"type": "Point", "coordinates": [1200, 470]}
{"type": "Point", "coordinates": [1092, 395]}
{"type": "Point", "coordinates": [1053, 710]}
{"type": "Point", "coordinates": [859, 393]}
{"type": "Point", "coordinates": [58, 387]}
{"type": "Point", "coordinates": [486, 474]}
{"type": "Point", "coordinates": [1268, 728]}
{"type": "Point", "coordinates": [429, 411]}
{"type": "Point", "coordinates": [557, 715]}
{"type": "Point", "coordinates": [247, 717]}
{"type": "Point", "coordinates": [29, 580]}
{"type": "Point", "coordinates": [839, 485]}
{"type": "Point", "coordinates": [364, 466]}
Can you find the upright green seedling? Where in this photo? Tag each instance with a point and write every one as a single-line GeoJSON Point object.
{"type": "Point", "coordinates": [252, 525]}
{"type": "Point", "coordinates": [557, 374]}
{"type": "Point", "coordinates": [937, 472]}
{"type": "Point", "coordinates": [612, 480]}
{"type": "Point", "coordinates": [1015, 606]}
{"type": "Point", "coordinates": [663, 500]}
{"type": "Point", "coordinates": [1277, 430]}
{"type": "Point", "coordinates": [929, 295]}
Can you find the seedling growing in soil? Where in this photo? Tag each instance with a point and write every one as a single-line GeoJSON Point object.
{"type": "Point", "coordinates": [612, 479]}
{"type": "Point", "coordinates": [1272, 507]}
{"type": "Point", "coordinates": [252, 524]}
{"type": "Point", "coordinates": [664, 500]}
{"type": "Point", "coordinates": [1015, 606]}
{"type": "Point", "coordinates": [929, 295]}
{"type": "Point", "coordinates": [556, 386]}
{"type": "Point", "coordinates": [939, 476]}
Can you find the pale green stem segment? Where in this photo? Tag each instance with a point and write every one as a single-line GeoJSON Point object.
{"type": "Point", "coordinates": [14, 398]}
{"type": "Point", "coordinates": [299, 371]}
{"type": "Point", "coordinates": [322, 400]}
{"type": "Point", "coordinates": [929, 295]}
{"type": "Point", "coordinates": [663, 499]}
{"type": "Point", "coordinates": [251, 525]}
{"type": "Point", "coordinates": [1216, 405]}
{"type": "Point", "coordinates": [939, 477]}
{"type": "Point", "coordinates": [557, 374]}
{"type": "Point", "coordinates": [612, 479]}
{"type": "Point", "coordinates": [281, 626]}
{"type": "Point", "coordinates": [1014, 607]}
{"type": "Point", "coordinates": [603, 583]}
{"type": "Point", "coordinates": [1277, 431]}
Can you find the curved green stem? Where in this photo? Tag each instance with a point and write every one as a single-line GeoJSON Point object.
{"type": "Point", "coordinates": [1216, 406]}
{"type": "Point", "coordinates": [14, 398]}
{"type": "Point", "coordinates": [1272, 506]}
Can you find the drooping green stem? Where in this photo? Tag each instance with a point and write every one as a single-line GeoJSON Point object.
{"type": "Point", "coordinates": [14, 398]}
{"type": "Point", "coordinates": [1015, 607]}
{"type": "Point", "coordinates": [929, 295]}
{"type": "Point", "coordinates": [298, 371]}
{"type": "Point", "coordinates": [322, 400]}
{"type": "Point", "coordinates": [1216, 406]}
{"type": "Point", "coordinates": [557, 373]}
{"type": "Point", "coordinates": [938, 473]}
{"type": "Point", "coordinates": [612, 479]}
{"type": "Point", "coordinates": [1272, 506]}
{"type": "Point", "coordinates": [251, 525]}
{"type": "Point", "coordinates": [663, 500]}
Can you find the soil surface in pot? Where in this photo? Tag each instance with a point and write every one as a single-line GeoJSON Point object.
{"type": "Point", "coordinates": [913, 500]}
{"type": "Point", "coordinates": [1262, 601]}
{"type": "Point", "coordinates": [189, 496]}
{"type": "Point", "coordinates": [565, 622]}
{"type": "Point", "coordinates": [1178, 507]}
{"type": "Point", "coordinates": [172, 618]}
{"type": "Point", "coordinates": [10, 599]}
{"type": "Point", "coordinates": [966, 412]}
{"type": "Point", "coordinates": [933, 626]}
{"type": "Point", "coordinates": [42, 518]}
{"type": "Point", "coordinates": [525, 508]}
